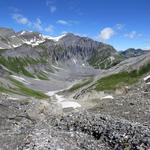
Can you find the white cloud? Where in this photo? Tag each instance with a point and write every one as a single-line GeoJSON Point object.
{"type": "Point", "coordinates": [49, 28]}
{"type": "Point", "coordinates": [14, 9]}
{"type": "Point", "coordinates": [38, 24]}
{"type": "Point", "coordinates": [67, 22]}
{"type": "Point", "coordinates": [51, 6]}
{"type": "Point", "coordinates": [21, 19]}
{"type": "Point", "coordinates": [52, 9]}
{"type": "Point", "coordinates": [106, 34]}
{"type": "Point", "coordinates": [119, 26]}
{"type": "Point", "coordinates": [132, 35]}
{"type": "Point", "coordinates": [49, 2]}
{"type": "Point", "coordinates": [63, 22]}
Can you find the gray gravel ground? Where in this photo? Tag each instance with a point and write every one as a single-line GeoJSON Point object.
{"type": "Point", "coordinates": [42, 125]}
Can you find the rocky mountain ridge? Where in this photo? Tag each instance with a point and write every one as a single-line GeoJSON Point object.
{"type": "Point", "coordinates": [48, 51]}
{"type": "Point", "coordinates": [132, 52]}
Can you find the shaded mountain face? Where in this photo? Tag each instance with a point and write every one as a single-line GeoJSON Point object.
{"type": "Point", "coordinates": [131, 52]}
{"type": "Point", "coordinates": [68, 48]}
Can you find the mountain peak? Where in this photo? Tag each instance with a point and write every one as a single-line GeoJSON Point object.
{"type": "Point", "coordinates": [70, 34]}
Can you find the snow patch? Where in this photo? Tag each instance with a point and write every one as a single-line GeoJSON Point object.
{"type": "Point", "coordinates": [75, 61]}
{"type": "Point", "coordinates": [13, 36]}
{"type": "Point", "coordinates": [54, 38]}
{"type": "Point", "coordinates": [37, 43]}
{"type": "Point", "coordinates": [34, 41]}
{"type": "Point", "coordinates": [12, 98]}
{"type": "Point", "coordinates": [21, 79]}
{"type": "Point", "coordinates": [108, 97]}
{"type": "Point", "coordinates": [51, 93]}
{"type": "Point", "coordinates": [147, 77]}
{"type": "Point", "coordinates": [23, 32]}
{"type": "Point", "coordinates": [112, 58]}
{"type": "Point", "coordinates": [60, 98]}
{"type": "Point", "coordinates": [70, 104]}
{"type": "Point", "coordinates": [66, 104]}
{"type": "Point", "coordinates": [1, 48]}
{"type": "Point", "coordinates": [16, 45]}
{"type": "Point", "coordinates": [62, 101]}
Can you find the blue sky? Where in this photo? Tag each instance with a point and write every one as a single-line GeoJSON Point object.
{"type": "Point", "coordinates": [121, 23]}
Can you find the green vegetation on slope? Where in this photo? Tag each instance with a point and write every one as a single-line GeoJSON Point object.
{"type": "Point", "coordinates": [42, 75]}
{"type": "Point", "coordinates": [27, 91]}
{"type": "Point", "coordinates": [18, 64]}
{"type": "Point", "coordinates": [5, 90]}
{"type": "Point", "coordinates": [104, 62]}
{"type": "Point", "coordinates": [79, 85]}
{"type": "Point", "coordinates": [115, 81]}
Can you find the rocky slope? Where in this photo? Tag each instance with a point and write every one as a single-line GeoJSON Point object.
{"type": "Point", "coordinates": [71, 92]}
{"type": "Point", "coordinates": [31, 124]}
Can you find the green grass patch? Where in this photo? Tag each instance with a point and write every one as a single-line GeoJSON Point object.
{"type": "Point", "coordinates": [5, 90]}
{"type": "Point", "coordinates": [19, 64]}
{"type": "Point", "coordinates": [28, 91]}
{"type": "Point", "coordinates": [42, 76]}
{"type": "Point", "coordinates": [118, 80]}
{"type": "Point", "coordinates": [104, 61]}
{"type": "Point", "coordinates": [79, 85]}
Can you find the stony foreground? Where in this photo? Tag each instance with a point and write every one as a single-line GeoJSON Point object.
{"type": "Point", "coordinates": [42, 125]}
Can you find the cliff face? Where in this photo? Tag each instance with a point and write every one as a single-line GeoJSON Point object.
{"type": "Point", "coordinates": [68, 46]}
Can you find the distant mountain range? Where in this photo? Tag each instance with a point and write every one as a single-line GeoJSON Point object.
{"type": "Point", "coordinates": [131, 52]}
